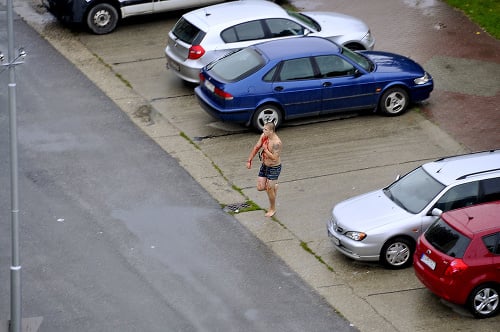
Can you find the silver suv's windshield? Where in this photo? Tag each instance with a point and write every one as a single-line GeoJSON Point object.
{"type": "Point", "coordinates": [414, 191]}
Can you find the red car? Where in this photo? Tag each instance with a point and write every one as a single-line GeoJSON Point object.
{"type": "Point", "coordinates": [458, 258]}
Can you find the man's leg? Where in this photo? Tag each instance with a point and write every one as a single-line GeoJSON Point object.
{"type": "Point", "coordinates": [261, 183]}
{"type": "Point", "coordinates": [271, 193]}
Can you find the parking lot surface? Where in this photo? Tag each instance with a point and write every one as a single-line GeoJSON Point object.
{"type": "Point", "coordinates": [324, 161]}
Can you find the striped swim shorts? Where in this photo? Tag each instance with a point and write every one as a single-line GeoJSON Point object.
{"type": "Point", "coordinates": [270, 172]}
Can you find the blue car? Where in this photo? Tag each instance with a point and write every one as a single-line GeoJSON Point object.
{"type": "Point", "coordinates": [310, 76]}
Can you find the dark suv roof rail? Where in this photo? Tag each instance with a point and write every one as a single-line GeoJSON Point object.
{"type": "Point", "coordinates": [476, 173]}
{"type": "Point", "coordinates": [467, 154]}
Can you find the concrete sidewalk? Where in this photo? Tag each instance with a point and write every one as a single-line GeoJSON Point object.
{"type": "Point", "coordinates": [326, 162]}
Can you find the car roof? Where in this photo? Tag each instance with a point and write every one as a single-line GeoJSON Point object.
{"type": "Point", "coordinates": [228, 14]}
{"type": "Point", "coordinates": [450, 169]}
{"type": "Point", "coordinates": [476, 219]}
{"type": "Point", "coordinates": [297, 47]}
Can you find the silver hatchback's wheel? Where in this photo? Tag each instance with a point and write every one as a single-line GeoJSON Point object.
{"type": "Point", "coordinates": [484, 301]}
{"type": "Point", "coordinates": [265, 114]}
{"type": "Point", "coordinates": [397, 253]}
{"type": "Point", "coordinates": [394, 102]}
{"type": "Point", "coordinates": [102, 18]}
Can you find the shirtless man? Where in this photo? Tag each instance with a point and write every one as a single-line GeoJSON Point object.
{"type": "Point", "coordinates": [270, 169]}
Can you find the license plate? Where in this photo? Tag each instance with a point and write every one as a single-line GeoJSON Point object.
{"type": "Point", "coordinates": [427, 261]}
{"type": "Point", "coordinates": [334, 239]}
{"type": "Point", "coordinates": [174, 66]}
{"type": "Point", "coordinates": [209, 86]}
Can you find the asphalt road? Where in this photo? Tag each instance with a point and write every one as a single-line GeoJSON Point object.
{"type": "Point", "coordinates": [350, 156]}
{"type": "Point", "coordinates": [115, 235]}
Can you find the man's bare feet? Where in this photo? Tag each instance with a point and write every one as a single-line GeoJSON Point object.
{"type": "Point", "coordinates": [270, 213]}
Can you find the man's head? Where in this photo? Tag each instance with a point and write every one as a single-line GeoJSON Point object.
{"type": "Point", "coordinates": [269, 127]}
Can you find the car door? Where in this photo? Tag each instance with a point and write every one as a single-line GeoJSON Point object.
{"type": "Point", "coordinates": [234, 38]}
{"type": "Point", "coordinates": [297, 88]}
{"type": "Point", "coordinates": [166, 5]}
{"type": "Point", "coordinates": [344, 87]}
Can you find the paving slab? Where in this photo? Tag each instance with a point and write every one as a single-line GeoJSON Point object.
{"type": "Point", "coordinates": [324, 162]}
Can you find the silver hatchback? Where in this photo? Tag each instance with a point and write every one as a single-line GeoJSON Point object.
{"type": "Point", "coordinates": [203, 35]}
{"type": "Point", "coordinates": [383, 225]}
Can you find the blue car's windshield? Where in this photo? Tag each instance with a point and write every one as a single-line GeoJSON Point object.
{"type": "Point", "coordinates": [414, 191]}
{"type": "Point", "coordinates": [362, 61]}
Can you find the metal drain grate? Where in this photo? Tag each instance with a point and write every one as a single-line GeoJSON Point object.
{"type": "Point", "coordinates": [236, 207]}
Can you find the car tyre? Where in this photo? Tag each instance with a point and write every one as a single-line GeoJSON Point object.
{"type": "Point", "coordinates": [484, 300]}
{"type": "Point", "coordinates": [394, 102]}
{"type": "Point", "coordinates": [102, 18]}
{"type": "Point", "coordinates": [397, 253]}
{"type": "Point", "coordinates": [264, 114]}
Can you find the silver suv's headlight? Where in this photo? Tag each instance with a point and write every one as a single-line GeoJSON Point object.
{"type": "Point", "coordinates": [422, 80]}
{"type": "Point", "coordinates": [356, 236]}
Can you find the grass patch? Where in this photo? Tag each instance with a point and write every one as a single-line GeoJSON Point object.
{"type": "Point", "coordinates": [186, 137]}
{"type": "Point", "coordinates": [485, 13]}
{"type": "Point", "coordinates": [309, 250]}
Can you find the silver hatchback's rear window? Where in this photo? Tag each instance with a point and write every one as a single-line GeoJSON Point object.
{"type": "Point", "coordinates": [188, 32]}
{"type": "Point", "coordinates": [237, 66]}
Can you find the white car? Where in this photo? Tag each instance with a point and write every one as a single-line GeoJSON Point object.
{"type": "Point", "coordinates": [384, 225]}
{"type": "Point", "coordinates": [203, 35]}
{"type": "Point", "coordinates": [102, 16]}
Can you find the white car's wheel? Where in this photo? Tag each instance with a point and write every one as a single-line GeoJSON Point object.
{"type": "Point", "coordinates": [102, 18]}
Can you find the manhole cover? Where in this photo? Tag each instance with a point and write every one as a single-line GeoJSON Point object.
{"type": "Point", "coordinates": [236, 207]}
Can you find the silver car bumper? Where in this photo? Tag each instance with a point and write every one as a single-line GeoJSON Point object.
{"type": "Point", "coordinates": [356, 250]}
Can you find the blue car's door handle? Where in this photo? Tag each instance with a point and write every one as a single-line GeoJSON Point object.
{"type": "Point", "coordinates": [327, 84]}
{"type": "Point", "coordinates": [278, 88]}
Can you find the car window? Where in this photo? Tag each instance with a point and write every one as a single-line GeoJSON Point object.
{"type": "Point", "coordinates": [414, 191]}
{"type": "Point", "coordinates": [492, 243]}
{"type": "Point", "coordinates": [490, 190]}
{"type": "Point", "coordinates": [296, 69]}
{"type": "Point", "coordinates": [333, 66]}
{"type": "Point", "coordinates": [357, 58]}
{"type": "Point", "coordinates": [459, 196]}
{"type": "Point", "coordinates": [270, 74]}
{"type": "Point", "coordinates": [188, 32]}
{"type": "Point", "coordinates": [446, 239]}
{"type": "Point", "coordinates": [237, 65]}
{"type": "Point", "coordinates": [243, 32]}
{"type": "Point", "coordinates": [282, 28]}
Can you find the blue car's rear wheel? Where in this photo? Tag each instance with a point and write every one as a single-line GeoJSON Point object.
{"type": "Point", "coordinates": [264, 114]}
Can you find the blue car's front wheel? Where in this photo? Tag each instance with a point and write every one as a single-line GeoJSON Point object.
{"type": "Point", "coordinates": [264, 114]}
{"type": "Point", "coordinates": [394, 101]}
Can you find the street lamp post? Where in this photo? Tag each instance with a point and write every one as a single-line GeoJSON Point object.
{"type": "Point", "coordinates": [15, 268]}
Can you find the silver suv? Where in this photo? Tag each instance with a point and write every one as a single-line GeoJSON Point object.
{"type": "Point", "coordinates": [384, 225]}
{"type": "Point", "coordinates": [203, 35]}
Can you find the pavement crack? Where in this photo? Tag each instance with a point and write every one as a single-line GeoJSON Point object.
{"type": "Point", "coordinates": [398, 291]}
{"type": "Point", "coordinates": [135, 61]}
